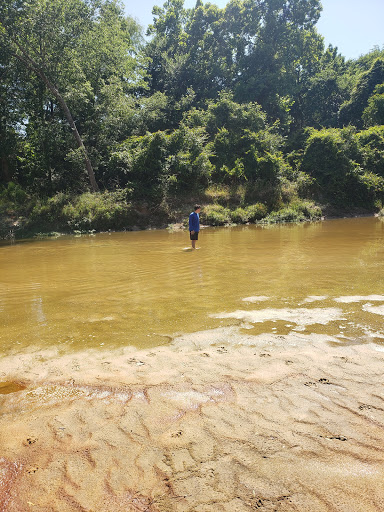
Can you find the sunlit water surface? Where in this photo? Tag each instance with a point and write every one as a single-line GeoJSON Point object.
{"type": "Point", "coordinates": [142, 288]}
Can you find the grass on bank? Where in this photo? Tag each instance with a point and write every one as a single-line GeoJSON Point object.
{"type": "Point", "coordinates": [22, 215]}
{"type": "Point", "coordinates": [297, 211]}
{"type": "Point", "coordinates": [218, 215]}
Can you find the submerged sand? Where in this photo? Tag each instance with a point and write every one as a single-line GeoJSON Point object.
{"type": "Point", "coordinates": [217, 421]}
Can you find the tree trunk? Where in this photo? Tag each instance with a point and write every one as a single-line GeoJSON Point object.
{"type": "Point", "coordinates": [5, 169]}
{"type": "Point", "coordinates": [31, 64]}
{"type": "Point", "coordinates": [75, 132]}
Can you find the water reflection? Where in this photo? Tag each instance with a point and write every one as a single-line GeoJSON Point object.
{"type": "Point", "coordinates": [37, 310]}
{"type": "Point", "coordinates": [141, 288]}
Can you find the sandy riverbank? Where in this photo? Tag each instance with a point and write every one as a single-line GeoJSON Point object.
{"type": "Point", "coordinates": [218, 421]}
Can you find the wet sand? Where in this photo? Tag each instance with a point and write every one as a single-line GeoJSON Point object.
{"type": "Point", "coordinates": [217, 421]}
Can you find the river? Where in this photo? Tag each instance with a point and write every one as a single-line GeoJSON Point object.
{"type": "Point", "coordinates": [142, 288]}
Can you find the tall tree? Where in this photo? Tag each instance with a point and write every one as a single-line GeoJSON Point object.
{"type": "Point", "coordinates": [74, 47]}
{"type": "Point", "coordinates": [262, 50]}
{"type": "Point", "coordinates": [374, 113]}
{"type": "Point", "coordinates": [351, 111]}
{"type": "Point", "coordinates": [8, 115]}
{"type": "Point", "coordinates": [326, 91]}
{"type": "Point", "coordinates": [278, 49]}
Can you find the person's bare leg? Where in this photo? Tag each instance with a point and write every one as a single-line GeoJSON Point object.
{"type": "Point", "coordinates": [193, 242]}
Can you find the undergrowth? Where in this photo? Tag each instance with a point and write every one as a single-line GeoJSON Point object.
{"type": "Point", "coordinates": [22, 215]}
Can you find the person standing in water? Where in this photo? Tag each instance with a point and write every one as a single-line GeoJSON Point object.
{"type": "Point", "coordinates": [194, 225]}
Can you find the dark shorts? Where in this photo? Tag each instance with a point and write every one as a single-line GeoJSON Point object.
{"type": "Point", "coordinates": [194, 236]}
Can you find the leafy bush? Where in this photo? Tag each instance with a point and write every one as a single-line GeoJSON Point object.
{"type": "Point", "coordinates": [216, 215]}
{"type": "Point", "coordinates": [285, 215]}
{"type": "Point", "coordinates": [13, 196]}
{"type": "Point", "coordinates": [371, 147]}
{"type": "Point", "coordinates": [6, 228]}
{"type": "Point", "coordinates": [218, 193]}
{"type": "Point", "coordinates": [371, 188]}
{"type": "Point", "coordinates": [160, 164]}
{"type": "Point", "coordinates": [374, 113]}
{"type": "Point", "coordinates": [49, 212]}
{"type": "Point", "coordinates": [100, 211]}
{"type": "Point", "coordinates": [250, 213]}
{"type": "Point", "coordinates": [330, 157]}
{"type": "Point", "coordinates": [236, 194]}
{"type": "Point", "coordinates": [352, 110]}
{"type": "Point", "coordinates": [239, 216]}
{"type": "Point", "coordinates": [256, 212]}
{"type": "Point", "coordinates": [297, 211]}
{"type": "Point", "coordinates": [242, 146]}
{"type": "Point", "coordinates": [310, 210]}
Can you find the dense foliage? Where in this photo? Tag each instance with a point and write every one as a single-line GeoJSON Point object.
{"type": "Point", "coordinates": [242, 108]}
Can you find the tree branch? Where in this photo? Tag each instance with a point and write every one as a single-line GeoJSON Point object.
{"type": "Point", "coordinates": [31, 64]}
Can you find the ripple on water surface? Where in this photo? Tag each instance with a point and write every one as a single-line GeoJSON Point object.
{"type": "Point", "coordinates": [142, 289]}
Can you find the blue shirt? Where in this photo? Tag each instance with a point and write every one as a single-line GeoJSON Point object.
{"type": "Point", "coordinates": [194, 222]}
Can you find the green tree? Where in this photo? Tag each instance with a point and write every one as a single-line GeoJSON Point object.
{"type": "Point", "coordinates": [210, 62]}
{"type": "Point", "coordinates": [371, 144]}
{"type": "Point", "coordinates": [277, 50]}
{"type": "Point", "coordinates": [364, 62]}
{"type": "Point", "coordinates": [166, 51]}
{"type": "Point", "coordinates": [351, 111]}
{"type": "Point", "coordinates": [243, 146]}
{"type": "Point", "coordinates": [190, 59]}
{"type": "Point", "coordinates": [9, 108]}
{"type": "Point", "coordinates": [262, 51]}
{"type": "Point", "coordinates": [333, 158]}
{"type": "Point", "coordinates": [326, 91]}
{"type": "Point", "coordinates": [373, 114]}
{"type": "Point", "coordinates": [161, 165]}
{"type": "Point", "coordinates": [74, 47]}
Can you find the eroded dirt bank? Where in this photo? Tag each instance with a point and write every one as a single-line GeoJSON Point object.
{"type": "Point", "coordinates": [218, 421]}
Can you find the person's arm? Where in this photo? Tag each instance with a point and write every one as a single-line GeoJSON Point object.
{"type": "Point", "coordinates": [194, 222]}
{"type": "Point", "coordinates": [191, 222]}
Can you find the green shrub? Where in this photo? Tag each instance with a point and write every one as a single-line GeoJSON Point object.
{"type": "Point", "coordinates": [13, 197]}
{"type": "Point", "coordinates": [218, 193]}
{"type": "Point", "coordinates": [47, 214]}
{"type": "Point", "coordinates": [100, 211]}
{"type": "Point", "coordinates": [14, 193]}
{"type": "Point", "coordinates": [371, 146]}
{"type": "Point", "coordinates": [161, 165]}
{"type": "Point", "coordinates": [374, 112]}
{"type": "Point", "coordinates": [256, 212]}
{"type": "Point", "coordinates": [352, 111]}
{"type": "Point", "coordinates": [287, 214]}
{"type": "Point", "coordinates": [250, 213]}
{"type": "Point", "coordinates": [330, 158]}
{"type": "Point", "coordinates": [309, 209]}
{"type": "Point", "coordinates": [242, 146]}
{"type": "Point", "coordinates": [371, 188]}
{"type": "Point", "coordinates": [297, 211]}
{"type": "Point", "coordinates": [216, 215]}
{"type": "Point", "coordinates": [231, 195]}
{"type": "Point", "coordinates": [6, 229]}
{"type": "Point", "coordinates": [239, 216]}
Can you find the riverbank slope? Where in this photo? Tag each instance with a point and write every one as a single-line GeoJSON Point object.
{"type": "Point", "coordinates": [113, 211]}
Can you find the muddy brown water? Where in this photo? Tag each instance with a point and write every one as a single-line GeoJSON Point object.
{"type": "Point", "coordinates": [10, 387]}
{"type": "Point", "coordinates": [142, 288]}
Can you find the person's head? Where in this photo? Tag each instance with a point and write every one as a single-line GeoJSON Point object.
{"type": "Point", "coordinates": [197, 208]}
